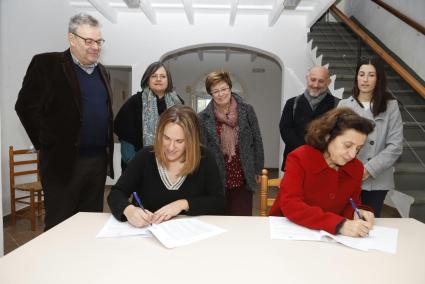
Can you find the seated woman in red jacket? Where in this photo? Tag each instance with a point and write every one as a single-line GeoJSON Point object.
{"type": "Point", "coordinates": [322, 176]}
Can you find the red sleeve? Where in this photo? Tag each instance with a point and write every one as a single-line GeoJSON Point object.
{"type": "Point", "coordinates": [292, 201]}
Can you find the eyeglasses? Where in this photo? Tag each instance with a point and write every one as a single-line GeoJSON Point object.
{"type": "Point", "coordinates": [158, 77]}
{"type": "Point", "coordinates": [90, 41]}
{"type": "Point", "coordinates": [221, 91]}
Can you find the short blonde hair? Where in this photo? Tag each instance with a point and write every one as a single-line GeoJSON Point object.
{"type": "Point", "coordinates": [186, 118]}
{"type": "Point", "coordinates": [216, 77]}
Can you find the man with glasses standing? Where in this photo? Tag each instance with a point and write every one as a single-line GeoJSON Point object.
{"type": "Point", "coordinates": [65, 107]}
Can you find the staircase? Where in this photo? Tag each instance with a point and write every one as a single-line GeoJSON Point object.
{"type": "Point", "coordinates": [339, 47]}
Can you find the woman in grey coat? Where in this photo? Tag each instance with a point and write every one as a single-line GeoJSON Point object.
{"type": "Point", "coordinates": [229, 128]}
{"type": "Point", "coordinates": [385, 144]}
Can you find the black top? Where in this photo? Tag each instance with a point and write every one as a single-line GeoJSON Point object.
{"type": "Point", "coordinates": [129, 120]}
{"type": "Point", "coordinates": [202, 189]}
{"type": "Point", "coordinates": [293, 125]}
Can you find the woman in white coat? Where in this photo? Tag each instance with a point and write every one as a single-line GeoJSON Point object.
{"type": "Point", "coordinates": [384, 145]}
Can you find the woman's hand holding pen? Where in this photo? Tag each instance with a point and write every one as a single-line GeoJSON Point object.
{"type": "Point", "coordinates": [358, 227]}
{"type": "Point", "coordinates": [137, 216]}
{"type": "Point", "coordinates": [169, 211]}
{"type": "Point", "coordinates": [355, 228]}
{"type": "Point", "coordinates": [366, 216]}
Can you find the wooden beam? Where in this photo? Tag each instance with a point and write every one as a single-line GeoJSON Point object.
{"type": "Point", "coordinates": [233, 10]}
{"type": "Point", "coordinates": [188, 8]}
{"type": "Point", "coordinates": [105, 10]}
{"type": "Point", "coordinates": [276, 12]}
{"type": "Point", "coordinates": [415, 84]}
{"type": "Point", "coordinates": [146, 7]}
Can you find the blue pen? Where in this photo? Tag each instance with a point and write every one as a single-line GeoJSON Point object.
{"type": "Point", "coordinates": [139, 202]}
{"type": "Point", "coordinates": [356, 209]}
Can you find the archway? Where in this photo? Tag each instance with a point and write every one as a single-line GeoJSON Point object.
{"type": "Point", "coordinates": [256, 76]}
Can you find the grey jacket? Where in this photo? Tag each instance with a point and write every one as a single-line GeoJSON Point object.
{"type": "Point", "coordinates": [250, 142]}
{"type": "Point", "coordinates": [383, 146]}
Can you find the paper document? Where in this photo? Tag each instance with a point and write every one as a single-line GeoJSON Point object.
{"type": "Point", "coordinates": [114, 228]}
{"type": "Point", "coordinates": [380, 238]}
{"type": "Point", "coordinates": [173, 233]}
{"type": "Point", "coordinates": [180, 232]}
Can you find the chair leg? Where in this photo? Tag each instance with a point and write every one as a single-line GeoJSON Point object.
{"type": "Point", "coordinates": [39, 203]}
{"type": "Point", "coordinates": [32, 206]}
{"type": "Point", "coordinates": [12, 207]}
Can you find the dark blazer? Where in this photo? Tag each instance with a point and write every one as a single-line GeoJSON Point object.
{"type": "Point", "coordinates": [250, 141]}
{"type": "Point", "coordinates": [293, 126]}
{"type": "Point", "coordinates": [49, 107]}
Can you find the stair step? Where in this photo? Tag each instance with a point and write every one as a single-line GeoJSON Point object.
{"type": "Point", "coordinates": [414, 144]}
{"type": "Point", "coordinates": [414, 107]}
{"type": "Point", "coordinates": [413, 124]}
{"type": "Point", "coordinates": [411, 168]}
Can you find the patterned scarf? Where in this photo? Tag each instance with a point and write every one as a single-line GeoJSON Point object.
{"type": "Point", "coordinates": [230, 129]}
{"type": "Point", "coordinates": [150, 115]}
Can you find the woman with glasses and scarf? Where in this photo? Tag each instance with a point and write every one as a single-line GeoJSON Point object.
{"type": "Point", "coordinates": [322, 181]}
{"type": "Point", "coordinates": [136, 121]}
{"type": "Point", "coordinates": [230, 129]}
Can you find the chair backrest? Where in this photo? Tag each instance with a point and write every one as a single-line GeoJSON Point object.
{"type": "Point", "coordinates": [266, 183]}
{"type": "Point", "coordinates": [23, 162]}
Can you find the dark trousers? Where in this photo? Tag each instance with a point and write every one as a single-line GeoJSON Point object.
{"type": "Point", "coordinates": [83, 192]}
{"type": "Point", "coordinates": [239, 201]}
{"type": "Point", "coordinates": [374, 199]}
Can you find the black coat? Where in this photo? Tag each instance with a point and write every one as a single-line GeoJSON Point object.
{"type": "Point", "coordinates": [49, 107]}
{"type": "Point", "coordinates": [293, 125]}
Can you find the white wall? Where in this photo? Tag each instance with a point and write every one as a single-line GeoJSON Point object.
{"type": "Point", "coordinates": [30, 27]}
{"type": "Point", "coordinates": [399, 37]}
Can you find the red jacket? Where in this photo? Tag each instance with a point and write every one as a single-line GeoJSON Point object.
{"type": "Point", "coordinates": [314, 195]}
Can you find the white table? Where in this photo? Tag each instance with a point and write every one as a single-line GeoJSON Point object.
{"type": "Point", "coordinates": [70, 253]}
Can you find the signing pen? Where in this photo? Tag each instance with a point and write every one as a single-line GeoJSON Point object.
{"type": "Point", "coordinates": [356, 209]}
{"type": "Point", "coordinates": [139, 202]}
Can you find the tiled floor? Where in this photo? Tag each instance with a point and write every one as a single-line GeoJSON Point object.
{"type": "Point", "coordinates": [20, 233]}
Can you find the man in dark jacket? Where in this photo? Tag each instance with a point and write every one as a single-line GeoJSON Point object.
{"type": "Point", "coordinates": [65, 108]}
{"type": "Point", "coordinates": [300, 110]}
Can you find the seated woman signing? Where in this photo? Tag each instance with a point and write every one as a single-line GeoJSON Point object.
{"type": "Point", "coordinates": [175, 175]}
{"type": "Point", "coordinates": [322, 176]}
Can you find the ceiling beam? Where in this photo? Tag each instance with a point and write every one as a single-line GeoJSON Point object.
{"type": "Point", "coordinates": [146, 7]}
{"type": "Point", "coordinates": [105, 10]}
{"type": "Point", "coordinates": [233, 10]}
{"type": "Point", "coordinates": [227, 54]}
{"type": "Point", "coordinates": [276, 12]}
{"type": "Point", "coordinates": [132, 3]}
{"type": "Point", "coordinates": [201, 55]}
{"type": "Point", "coordinates": [188, 9]}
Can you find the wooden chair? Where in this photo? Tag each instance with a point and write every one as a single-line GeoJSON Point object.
{"type": "Point", "coordinates": [265, 184]}
{"type": "Point", "coordinates": [27, 163]}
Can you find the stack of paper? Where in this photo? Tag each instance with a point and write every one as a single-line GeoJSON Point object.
{"type": "Point", "coordinates": [114, 228]}
{"type": "Point", "coordinates": [379, 238]}
{"type": "Point", "coordinates": [173, 233]}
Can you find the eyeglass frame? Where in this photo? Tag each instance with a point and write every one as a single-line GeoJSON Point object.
{"type": "Point", "coordinates": [99, 42]}
{"type": "Point", "coordinates": [221, 91]}
{"type": "Point", "coordinates": [158, 77]}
